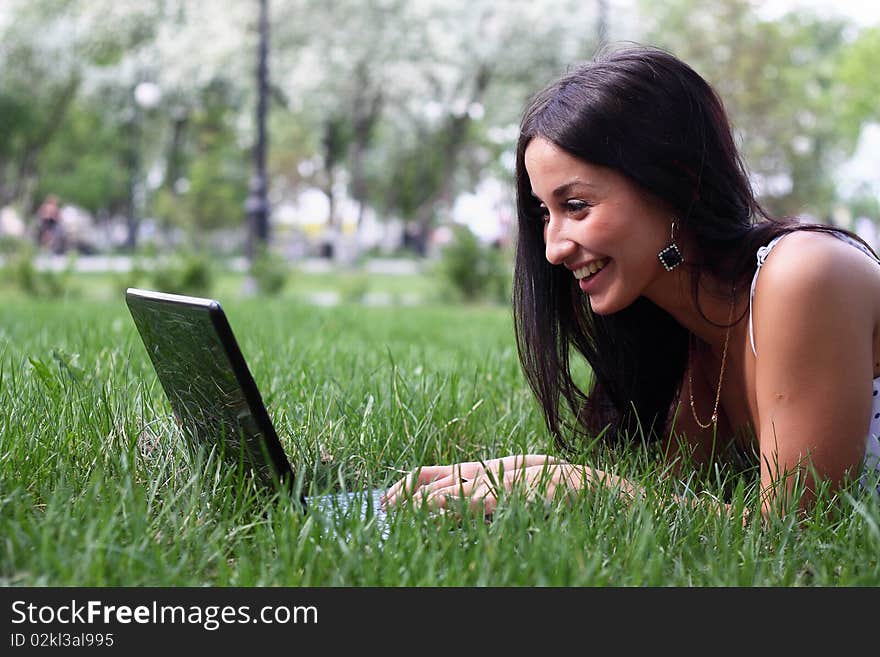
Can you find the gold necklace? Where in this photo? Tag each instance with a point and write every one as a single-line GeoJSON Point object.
{"type": "Point", "coordinates": [714, 419]}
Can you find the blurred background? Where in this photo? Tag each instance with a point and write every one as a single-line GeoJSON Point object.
{"type": "Point", "coordinates": [170, 143]}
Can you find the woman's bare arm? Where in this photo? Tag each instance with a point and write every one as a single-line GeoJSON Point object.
{"type": "Point", "coordinates": [813, 336]}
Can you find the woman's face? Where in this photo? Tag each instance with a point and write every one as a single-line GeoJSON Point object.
{"type": "Point", "coordinates": [599, 225]}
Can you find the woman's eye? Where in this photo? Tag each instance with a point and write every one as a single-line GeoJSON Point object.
{"type": "Point", "coordinates": [577, 206]}
{"type": "Point", "coordinates": [571, 207]}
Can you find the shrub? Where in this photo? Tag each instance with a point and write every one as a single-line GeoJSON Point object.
{"type": "Point", "coordinates": [10, 245]}
{"type": "Point", "coordinates": [473, 272]}
{"type": "Point", "coordinates": [185, 273]}
{"type": "Point", "coordinates": [137, 276]}
{"type": "Point", "coordinates": [353, 289]}
{"type": "Point", "coordinates": [270, 271]}
{"type": "Point", "coordinates": [22, 273]}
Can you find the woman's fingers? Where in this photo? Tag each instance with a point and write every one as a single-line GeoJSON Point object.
{"type": "Point", "coordinates": [521, 461]}
{"type": "Point", "coordinates": [427, 478]}
{"type": "Point", "coordinates": [425, 482]}
{"type": "Point", "coordinates": [413, 481]}
{"type": "Point", "coordinates": [483, 493]}
{"type": "Point", "coordinates": [480, 496]}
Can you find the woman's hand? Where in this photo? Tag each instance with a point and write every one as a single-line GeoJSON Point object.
{"type": "Point", "coordinates": [481, 483]}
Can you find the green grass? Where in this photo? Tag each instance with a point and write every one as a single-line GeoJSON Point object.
{"type": "Point", "coordinates": [96, 488]}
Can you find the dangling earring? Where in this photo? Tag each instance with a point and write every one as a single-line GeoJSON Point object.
{"type": "Point", "coordinates": [671, 257]}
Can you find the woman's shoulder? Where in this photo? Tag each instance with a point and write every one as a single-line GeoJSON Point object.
{"type": "Point", "coordinates": [820, 253]}
{"type": "Point", "coordinates": [809, 265]}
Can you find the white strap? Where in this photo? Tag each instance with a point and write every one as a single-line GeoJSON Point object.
{"type": "Point", "coordinates": [861, 247]}
{"type": "Point", "coordinates": [763, 252]}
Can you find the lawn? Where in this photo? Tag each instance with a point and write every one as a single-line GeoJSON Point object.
{"type": "Point", "coordinates": [96, 487]}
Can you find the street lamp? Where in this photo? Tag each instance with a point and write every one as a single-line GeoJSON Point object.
{"type": "Point", "coordinates": [256, 206]}
{"type": "Point", "coordinates": [147, 96]}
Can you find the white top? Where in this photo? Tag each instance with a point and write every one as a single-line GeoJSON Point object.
{"type": "Point", "coordinates": [871, 469]}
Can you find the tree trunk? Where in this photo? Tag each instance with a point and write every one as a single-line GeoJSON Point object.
{"type": "Point", "coordinates": [456, 132]}
{"type": "Point", "coordinates": [367, 110]}
{"type": "Point", "coordinates": [174, 167]}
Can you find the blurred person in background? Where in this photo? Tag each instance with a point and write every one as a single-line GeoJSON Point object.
{"type": "Point", "coordinates": [50, 233]}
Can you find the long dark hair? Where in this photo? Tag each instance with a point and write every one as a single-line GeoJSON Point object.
{"type": "Point", "coordinates": [651, 117]}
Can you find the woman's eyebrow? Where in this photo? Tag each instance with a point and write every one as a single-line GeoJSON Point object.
{"type": "Point", "coordinates": [566, 188]}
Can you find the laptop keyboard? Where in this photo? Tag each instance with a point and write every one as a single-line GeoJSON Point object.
{"type": "Point", "coordinates": [366, 503]}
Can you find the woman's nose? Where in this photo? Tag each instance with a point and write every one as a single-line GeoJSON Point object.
{"type": "Point", "coordinates": [557, 246]}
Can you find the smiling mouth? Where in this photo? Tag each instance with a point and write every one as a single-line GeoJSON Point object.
{"type": "Point", "coordinates": [591, 269]}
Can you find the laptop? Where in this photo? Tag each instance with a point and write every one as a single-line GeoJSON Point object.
{"type": "Point", "coordinates": [214, 397]}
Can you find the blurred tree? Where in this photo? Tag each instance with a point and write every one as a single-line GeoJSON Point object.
{"type": "Point", "coordinates": [865, 204]}
{"type": "Point", "coordinates": [35, 93]}
{"type": "Point", "coordinates": [220, 166]}
{"type": "Point", "coordinates": [397, 104]}
{"type": "Point", "coordinates": [780, 81]}
{"type": "Point", "coordinates": [460, 69]}
{"type": "Point", "coordinates": [86, 162]}
{"type": "Point", "coordinates": [341, 64]}
{"type": "Point", "coordinates": [858, 85]}
{"type": "Point", "coordinates": [85, 58]}
{"type": "Point", "coordinates": [49, 50]}
{"type": "Point", "coordinates": [194, 148]}
{"type": "Point", "coordinates": [29, 119]}
{"type": "Point", "coordinates": [210, 158]}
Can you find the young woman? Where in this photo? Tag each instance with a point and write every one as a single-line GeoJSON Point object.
{"type": "Point", "coordinates": [708, 325]}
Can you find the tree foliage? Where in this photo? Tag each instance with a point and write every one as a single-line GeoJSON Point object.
{"type": "Point", "coordinates": [399, 105]}
{"type": "Point", "coordinates": [785, 86]}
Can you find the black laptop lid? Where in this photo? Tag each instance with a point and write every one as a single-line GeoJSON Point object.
{"type": "Point", "coordinates": [207, 381]}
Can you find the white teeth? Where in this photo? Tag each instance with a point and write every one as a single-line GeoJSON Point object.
{"type": "Point", "coordinates": [590, 268]}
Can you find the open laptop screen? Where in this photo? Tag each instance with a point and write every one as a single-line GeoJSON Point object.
{"type": "Point", "coordinates": [207, 381]}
